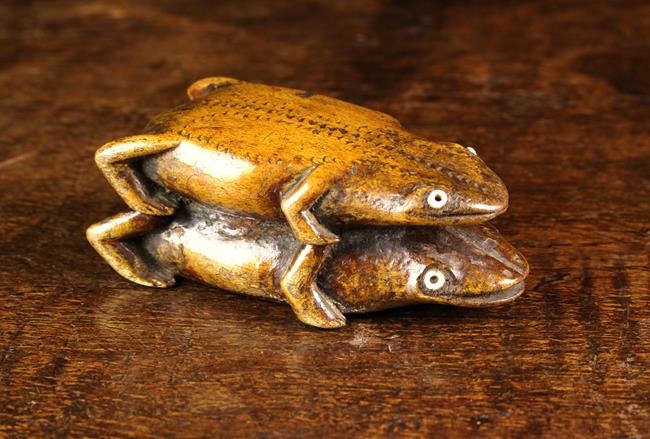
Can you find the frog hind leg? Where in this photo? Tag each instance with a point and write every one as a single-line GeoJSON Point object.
{"type": "Point", "coordinates": [205, 86]}
{"type": "Point", "coordinates": [115, 160]}
{"type": "Point", "coordinates": [110, 238]}
{"type": "Point", "coordinates": [299, 199]}
{"type": "Point", "coordinates": [298, 285]}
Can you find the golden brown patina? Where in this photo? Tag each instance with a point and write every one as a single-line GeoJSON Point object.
{"type": "Point", "coordinates": [371, 268]}
{"type": "Point", "coordinates": [316, 162]}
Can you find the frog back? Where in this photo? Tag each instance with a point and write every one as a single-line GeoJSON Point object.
{"type": "Point", "coordinates": [260, 122]}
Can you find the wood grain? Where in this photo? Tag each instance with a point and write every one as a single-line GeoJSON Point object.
{"type": "Point", "coordinates": [555, 97]}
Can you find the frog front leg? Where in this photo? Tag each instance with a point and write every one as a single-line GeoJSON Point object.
{"type": "Point", "coordinates": [110, 239]}
{"type": "Point", "coordinates": [301, 197]}
{"type": "Point", "coordinates": [298, 285]}
{"type": "Point", "coordinates": [115, 160]}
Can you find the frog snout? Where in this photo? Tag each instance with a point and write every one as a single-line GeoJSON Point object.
{"type": "Point", "coordinates": [493, 264]}
{"type": "Point", "coordinates": [505, 267]}
{"type": "Point", "coordinates": [493, 199]}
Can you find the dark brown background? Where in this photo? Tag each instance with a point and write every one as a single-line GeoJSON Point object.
{"type": "Point", "coordinates": [554, 95]}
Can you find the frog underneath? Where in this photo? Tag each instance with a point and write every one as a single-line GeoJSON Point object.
{"type": "Point", "coordinates": [371, 268]}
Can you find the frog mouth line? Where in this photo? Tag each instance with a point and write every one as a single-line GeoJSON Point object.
{"type": "Point", "coordinates": [456, 220]}
{"type": "Point", "coordinates": [473, 217]}
{"type": "Point", "coordinates": [489, 299]}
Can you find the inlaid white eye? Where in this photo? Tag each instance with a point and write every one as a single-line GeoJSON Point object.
{"type": "Point", "coordinates": [433, 279]}
{"type": "Point", "coordinates": [437, 199]}
{"type": "Point", "coordinates": [472, 150]}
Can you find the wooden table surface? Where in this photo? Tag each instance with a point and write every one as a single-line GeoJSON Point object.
{"type": "Point", "coordinates": [555, 96]}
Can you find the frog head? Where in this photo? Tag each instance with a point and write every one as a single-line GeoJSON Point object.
{"type": "Point", "coordinates": [435, 184]}
{"type": "Point", "coordinates": [456, 265]}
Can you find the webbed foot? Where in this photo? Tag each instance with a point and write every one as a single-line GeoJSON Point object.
{"type": "Point", "coordinates": [109, 237]}
{"type": "Point", "coordinates": [308, 302]}
{"type": "Point", "coordinates": [115, 161]}
{"type": "Point", "coordinates": [298, 200]}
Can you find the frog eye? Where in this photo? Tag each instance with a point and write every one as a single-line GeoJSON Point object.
{"type": "Point", "coordinates": [472, 150]}
{"type": "Point", "coordinates": [433, 279]}
{"type": "Point", "coordinates": [437, 198]}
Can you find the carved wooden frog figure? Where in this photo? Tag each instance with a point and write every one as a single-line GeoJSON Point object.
{"type": "Point", "coordinates": [316, 162]}
{"type": "Point", "coordinates": [371, 268]}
